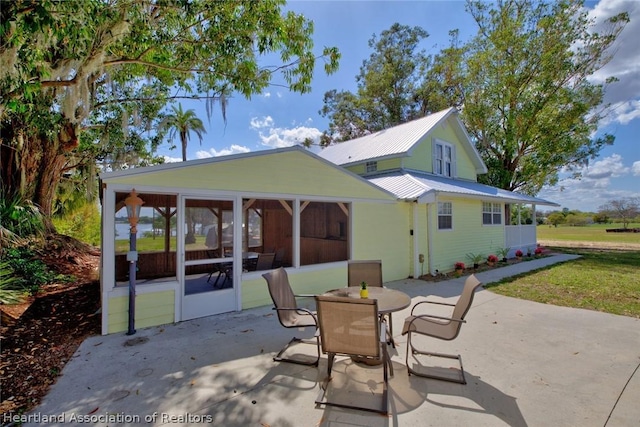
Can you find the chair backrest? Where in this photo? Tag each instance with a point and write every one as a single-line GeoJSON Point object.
{"type": "Point", "coordinates": [282, 296]}
{"type": "Point", "coordinates": [466, 298]}
{"type": "Point", "coordinates": [369, 271]}
{"type": "Point", "coordinates": [349, 326]}
{"type": "Point", "coordinates": [265, 261]}
{"type": "Point", "coordinates": [279, 259]}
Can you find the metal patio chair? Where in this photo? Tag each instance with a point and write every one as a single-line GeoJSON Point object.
{"type": "Point", "coordinates": [352, 327]}
{"type": "Point", "coordinates": [369, 271]}
{"type": "Point", "coordinates": [265, 261]}
{"type": "Point", "coordinates": [444, 328]}
{"type": "Point", "coordinates": [290, 315]}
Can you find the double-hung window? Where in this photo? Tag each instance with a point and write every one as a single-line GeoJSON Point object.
{"type": "Point", "coordinates": [491, 213]}
{"type": "Point", "coordinates": [444, 159]}
{"type": "Point", "coordinates": [445, 216]}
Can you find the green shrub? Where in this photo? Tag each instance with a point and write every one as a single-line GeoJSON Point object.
{"type": "Point", "coordinates": [476, 259]}
{"type": "Point", "coordinates": [20, 217]}
{"type": "Point", "coordinates": [10, 290]}
{"type": "Point", "coordinates": [83, 224]}
{"type": "Point", "coordinates": [31, 273]}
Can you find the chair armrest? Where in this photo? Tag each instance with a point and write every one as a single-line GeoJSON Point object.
{"type": "Point", "coordinates": [299, 310]}
{"type": "Point", "coordinates": [304, 295]}
{"type": "Point", "coordinates": [431, 316]}
{"type": "Point", "coordinates": [431, 302]}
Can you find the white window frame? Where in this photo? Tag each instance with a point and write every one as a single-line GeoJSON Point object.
{"type": "Point", "coordinates": [371, 166]}
{"type": "Point", "coordinates": [494, 210]}
{"type": "Point", "coordinates": [444, 158]}
{"type": "Point", "coordinates": [445, 209]}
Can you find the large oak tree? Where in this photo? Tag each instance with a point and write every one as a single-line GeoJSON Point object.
{"type": "Point", "coordinates": [68, 67]}
{"type": "Point", "coordinates": [528, 101]}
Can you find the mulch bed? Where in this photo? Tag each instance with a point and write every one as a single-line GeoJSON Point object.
{"type": "Point", "coordinates": [481, 267]}
{"type": "Point", "coordinates": [39, 336]}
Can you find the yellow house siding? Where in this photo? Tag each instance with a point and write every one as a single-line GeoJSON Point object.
{"type": "Point", "coordinates": [421, 158]}
{"type": "Point", "coordinates": [309, 281]}
{"type": "Point", "coordinates": [156, 308]}
{"type": "Point", "coordinates": [381, 231]}
{"type": "Point", "coordinates": [468, 235]}
{"type": "Point", "coordinates": [422, 155]}
{"type": "Point", "coordinates": [284, 173]}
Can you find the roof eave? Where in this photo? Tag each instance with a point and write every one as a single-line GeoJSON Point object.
{"type": "Point", "coordinates": [430, 196]}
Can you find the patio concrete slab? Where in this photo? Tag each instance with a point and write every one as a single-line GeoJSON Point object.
{"type": "Point", "coordinates": [527, 364]}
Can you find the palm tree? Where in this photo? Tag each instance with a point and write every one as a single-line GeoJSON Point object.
{"type": "Point", "coordinates": [183, 123]}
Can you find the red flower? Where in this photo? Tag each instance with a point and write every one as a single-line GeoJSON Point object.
{"type": "Point", "coordinates": [538, 251]}
{"type": "Point", "coordinates": [492, 258]}
{"type": "Point", "coordinates": [518, 253]}
{"type": "Point", "coordinates": [459, 265]}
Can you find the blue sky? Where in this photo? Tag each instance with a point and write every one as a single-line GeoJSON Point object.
{"type": "Point", "coordinates": [278, 118]}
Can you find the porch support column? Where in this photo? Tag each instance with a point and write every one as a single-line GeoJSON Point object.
{"type": "Point", "coordinates": [295, 240]}
{"type": "Point", "coordinates": [414, 238]}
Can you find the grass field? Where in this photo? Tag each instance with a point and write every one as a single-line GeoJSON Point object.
{"type": "Point", "coordinates": [591, 233]}
{"type": "Point", "coordinates": [605, 280]}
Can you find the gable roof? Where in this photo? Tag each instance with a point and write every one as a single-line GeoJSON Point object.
{"type": "Point", "coordinates": [424, 188]}
{"type": "Point", "coordinates": [290, 170]}
{"type": "Point", "coordinates": [399, 141]}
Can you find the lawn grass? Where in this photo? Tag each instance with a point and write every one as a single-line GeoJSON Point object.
{"type": "Point", "coordinates": [602, 280]}
{"type": "Point", "coordinates": [589, 233]}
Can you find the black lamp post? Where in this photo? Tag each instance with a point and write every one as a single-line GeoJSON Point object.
{"type": "Point", "coordinates": [133, 204]}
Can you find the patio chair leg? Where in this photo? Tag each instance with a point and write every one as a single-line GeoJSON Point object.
{"type": "Point", "coordinates": [278, 357]}
{"type": "Point", "coordinates": [413, 351]}
{"type": "Point", "coordinates": [324, 386]}
{"type": "Point", "coordinates": [387, 361]}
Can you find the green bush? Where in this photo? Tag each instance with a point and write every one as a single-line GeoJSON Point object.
{"type": "Point", "coordinates": [10, 290]}
{"type": "Point", "coordinates": [20, 217]}
{"type": "Point", "coordinates": [83, 224]}
{"type": "Point", "coordinates": [29, 272]}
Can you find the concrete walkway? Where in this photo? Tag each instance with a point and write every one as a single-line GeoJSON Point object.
{"type": "Point", "coordinates": [527, 364]}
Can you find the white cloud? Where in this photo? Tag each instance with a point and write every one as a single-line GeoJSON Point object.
{"type": "Point", "coordinates": [168, 159]}
{"type": "Point", "coordinates": [265, 122]}
{"type": "Point", "coordinates": [267, 94]}
{"type": "Point", "coordinates": [624, 95]}
{"type": "Point", "coordinates": [281, 137]}
{"type": "Point", "coordinates": [594, 188]}
{"type": "Point", "coordinates": [606, 168]}
{"type": "Point", "coordinates": [234, 149]}
{"type": "Point", "coordinates": [278, 137]}
{"type": "Point", "coordinates": [623, 113]}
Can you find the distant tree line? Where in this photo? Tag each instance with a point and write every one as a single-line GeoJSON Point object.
{"type": "Point", "coordinates": [623, 211]}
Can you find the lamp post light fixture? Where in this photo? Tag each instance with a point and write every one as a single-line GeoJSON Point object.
{"type": "Point", "coordinates": [134, 205]}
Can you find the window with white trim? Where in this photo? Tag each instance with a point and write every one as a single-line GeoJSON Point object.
{"type": "Point", "coordinates": [445, 216]}
{"type": "Point", "coordinates": [444, 159]}
{"type": "Point", "coordinates": [491, 213]}
{"type": "Point", "coordinates": [372, 166]}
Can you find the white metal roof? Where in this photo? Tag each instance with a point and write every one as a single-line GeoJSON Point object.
{"type": "Point", "coordinates": [424, 187]}
{"type": "Point", "coordinates": [385, 143]}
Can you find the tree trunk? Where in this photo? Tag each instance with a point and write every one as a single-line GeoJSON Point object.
{"type": "Point", "coordinates": [32, 168]}
{"type": "Point", "coordinates": [47, 182]}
